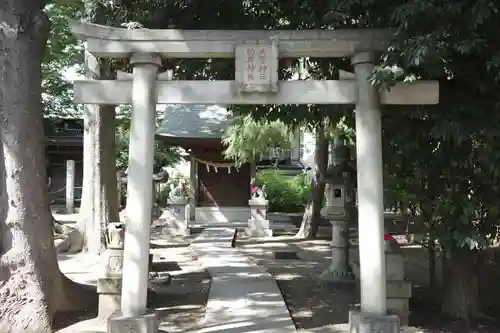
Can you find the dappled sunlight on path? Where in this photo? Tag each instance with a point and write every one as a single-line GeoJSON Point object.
{"type": "Point", "coordinates": [243, 296]}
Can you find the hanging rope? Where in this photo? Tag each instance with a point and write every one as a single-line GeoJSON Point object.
{"type": "Point", "coordinates": [62, 189]}
{"type": "Point", "coordinates": [216, 165]}
{"type": "Point", "coordinates": [63, 163]}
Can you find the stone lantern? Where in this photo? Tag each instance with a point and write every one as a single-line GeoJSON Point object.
{"type": "Point", "coordinates": [338, 211]}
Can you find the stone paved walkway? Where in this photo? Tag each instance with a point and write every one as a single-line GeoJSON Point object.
{"type": "Point", "coordinates": [243, 296]}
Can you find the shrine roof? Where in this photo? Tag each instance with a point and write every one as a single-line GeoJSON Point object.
{"type": "Point", "coordinates": [194, 121]}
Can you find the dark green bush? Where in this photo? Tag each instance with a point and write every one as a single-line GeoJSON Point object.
{"type": "Point", "coordinates": [285, 194]}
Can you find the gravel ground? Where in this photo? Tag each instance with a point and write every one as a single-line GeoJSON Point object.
{"type": "Point", "coordinates": [181, 305]}
{"type": "Point", "coordinates": [315, 305]}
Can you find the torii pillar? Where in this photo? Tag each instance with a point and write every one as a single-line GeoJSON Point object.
{"type": "Point", "coordinates": [370, 187]}
{"type": "Point", "coordinates": [373, 315]}
{"type": "Point", "coordinates": [134, 312]}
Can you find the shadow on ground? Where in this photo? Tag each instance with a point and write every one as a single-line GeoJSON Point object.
{"type": "Point", "coordinates": [315, 305]}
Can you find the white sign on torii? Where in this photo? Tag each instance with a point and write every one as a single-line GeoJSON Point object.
{"type": "Point", "coordinates": [257, 67]}
{"type": "Point", "coordinates": [254, 84]}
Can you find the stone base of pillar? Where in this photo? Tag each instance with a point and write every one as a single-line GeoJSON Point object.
{"type": "Point", "coordinates": [398, 299]}
{"type": "Point", "coordinates": [360, 322]}
{"type": "Point", "coordinates": [147, 323]}
{"type": "Point", "coordinates": [109, 291]}
{"type": "Point", "coordinates": [258, 228]}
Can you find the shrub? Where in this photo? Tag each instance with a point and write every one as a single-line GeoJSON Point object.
{"type": "Point", "coordinates": [163, 194]}
{"type": "Point", "coordinates": [285, 194]}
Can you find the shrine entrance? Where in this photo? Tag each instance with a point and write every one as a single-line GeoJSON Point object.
{"type": "Point", "coordinates": [256, 82]}
{"type": "Point", "coordinates": [219, 189]}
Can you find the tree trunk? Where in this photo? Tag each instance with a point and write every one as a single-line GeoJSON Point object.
{"type": "Point", "coordinates": [110, 206]}
{"type": "Point", "coordinates": [99, 204]}
{"type": "Point", "coordinates": [31, 285]}
{"type": "Point", "coordinates": [309, 226]}
{"type": "Point", "coordinates": [28, 266]}
{"type": "Point", "coordinates": [431, 250]}
{"type": "Point", "coordinates": [89, 222]}
{"type": "Point", "coordinates": [461, 285]}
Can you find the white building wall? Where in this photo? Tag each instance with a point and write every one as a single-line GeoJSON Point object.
{"type": "Point", "coordinates": [308, 144]}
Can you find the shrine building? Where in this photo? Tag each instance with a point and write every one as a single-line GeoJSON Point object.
{"type": "Point", "coordinates": [221, 190]}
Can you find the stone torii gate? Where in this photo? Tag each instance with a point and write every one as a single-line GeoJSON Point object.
{"type": "Point", "coordinates": [256, 82]}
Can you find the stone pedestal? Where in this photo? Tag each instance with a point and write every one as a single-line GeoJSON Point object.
{"type": "Point", "coordinates": [176, 218]}
{"type": "Point", "coordinates": [109, 285]}
{"type": "Point", "coordinates": [113, 262]}
{"type": "Point", "coordinates": [339, 269]}
{"type": "Point", "coordinates": [258, 224]}
{"type": "Point", "coordinates": [360, 322]}
{"type": "Point", "coordinates": [147, 323]}
{"type": "Point", "coordinates": [398, 292]}
{"type": "Point", "coordinates": [109, 290]}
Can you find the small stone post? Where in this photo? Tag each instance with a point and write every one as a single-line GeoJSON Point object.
{"type": "Point", "coordinates": [193, 181]}
{"type": "Point", "coordinates": [70, 186]}
{"type": "Point", "coordinates": [109, 286]}
{"type": "Point", "coordinates": [258, 224]}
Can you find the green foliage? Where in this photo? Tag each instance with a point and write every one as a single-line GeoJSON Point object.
{"type": "Point", "coordinates": [441, 170]}
{"type": "Point", "coordinates": [164, 155]}
{"type": "Point", "coordinates": [440, 161]}
{"type": "Point", "coordinates": [165, 192]}
{"type": "Point", "coordinates": [62, 53]}
{"type": "Point", "coordinates": [162, 195]}
{"type": "Point", "coordinates": [285, 194]}
{"type": "Point", "coordinates": [246, 138]}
